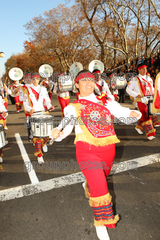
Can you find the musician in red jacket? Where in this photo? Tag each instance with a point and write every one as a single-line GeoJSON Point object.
{"type": "Point", "coordinates": [35, 98]}
{"type": "Point", "coordinates": [141, 89]}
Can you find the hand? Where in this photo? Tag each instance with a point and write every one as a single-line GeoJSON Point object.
{"type": "Point", "coordinates": [4, 114]}
{"type": "Point", "coordinates": [32, 111]}
{"type": "Point", "coordinates": [139, 96]}
{"type": "Point", "coordinates": [134, 114]}
{"type": "Point", "coordinates": [55, 133]}
{"type": "Point", "coordinates": [52, 108]}
{"type": "Point", "coordinates": [116, 98]}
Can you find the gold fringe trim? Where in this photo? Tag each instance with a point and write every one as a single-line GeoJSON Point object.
{"type": "Point", "coordinates": [149, 122]}
{"type": "Point", "coordinates": [36, 153]}
{"type": "Point", "coordinates": [151, 131]}
{"type": "Point", "coordinates": [99, 201]}
{"type": "Point", "coordinates": [105, 222]}
{"type": "Point", "coordinates": [43, 140]}
{"type": "Point", "coordinates": [89, 138]}
{"type": "Point", "coordinates": [1, 154]}
{"type": "Point", "coordinates": [87, 193]}
{"type": "Point", "coordinates": [1, 167]}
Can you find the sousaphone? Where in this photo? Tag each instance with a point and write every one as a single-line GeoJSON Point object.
{"type": "Point", "coordinates": [15, 74]}
{"type": "Point", "coordinates": [75, 68]}
{"type": "Point", "coordinates": [96, 64]}
{"type": "Point", "coordinates": [46, 71]}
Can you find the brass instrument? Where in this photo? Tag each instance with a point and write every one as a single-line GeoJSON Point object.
{"type": "Point", "coordinates": [45, 72]}
{"type": "Point", "coordinates": [15, 74]}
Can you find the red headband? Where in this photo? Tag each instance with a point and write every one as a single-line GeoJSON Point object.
{"type": "Point", "coordinates": [142, 66]}
{"type": "Point", "coordinates": [35, 76]}
{"type": "Point", "coordinates": [84, 75]}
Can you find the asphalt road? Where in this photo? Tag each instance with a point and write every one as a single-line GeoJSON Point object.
{"type": "Point", "coordinates": [52, 205]}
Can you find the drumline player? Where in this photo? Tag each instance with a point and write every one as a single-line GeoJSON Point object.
{"type": "Point", "coordinates": [101, 86]}
{"type": "Point", "coordinates": [63, 96]}
{"type": "Point", "coordinates": [3, 115]}
{"type": "Point", "coordinates": [95, 145]}
{"type": "Point", "coordinates": [49, 86]}
{"type": "Point", "coordinates": [139, 88]}
{"type": "Point", "coordinates": [35, 98]}
{"type": "Point", "coordinates": [15, 89]}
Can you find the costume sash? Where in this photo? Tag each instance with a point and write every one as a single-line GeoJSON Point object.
{"type": "Point", "coordinates": [99, 87]}
{"type": "Point", "coordinates": [143, 85]}
{"type": "Point", "coordinates": [96, 123]}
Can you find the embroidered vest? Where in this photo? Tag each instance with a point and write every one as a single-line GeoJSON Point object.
{"type": "Point", "coordinates": [95, 122]}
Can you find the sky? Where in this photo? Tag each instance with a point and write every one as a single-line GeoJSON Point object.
{"type": "Point", "coordinates": [14, 14]}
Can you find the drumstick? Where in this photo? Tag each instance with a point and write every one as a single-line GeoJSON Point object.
{"type": "Point", "coordinates": [65, 124]}
{"type": "Point", "coordinates": [46, 110]}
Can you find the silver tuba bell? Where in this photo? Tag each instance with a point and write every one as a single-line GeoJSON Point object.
{"type": "Point", "coordinates": [96, 64]}
{"type": "Point", "coordinates": [75, 68]}
{"type": "Point", "coordinates": [46, 71]}
{"type": "Point", "coordinates": [15, 74]}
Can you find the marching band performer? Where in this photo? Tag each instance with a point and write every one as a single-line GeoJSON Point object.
{"type": "Point", "coordinates": [3, 115]}
{"type": "Point", "coordinates": [101, 86]}
{"type": "Point", "coordinates": [139, 88]}
{"type": "Point", "coordinates": [5, 91]}
{"type": "Point", "coordinates": [35, 98]}
{"type": "Point", "coordinates": [63, 97]}
{"type": "Point", "coordinates": [15, 88]}
{"type": "Point", "coordinates": [49, 86]}
{"type": "Point", "coordinates": [95, 145]}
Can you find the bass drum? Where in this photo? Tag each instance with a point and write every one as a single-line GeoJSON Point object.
{"type": "Point", "coordinates": [65, 83]}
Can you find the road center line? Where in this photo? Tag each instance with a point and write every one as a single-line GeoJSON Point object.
{"type": "Point", "coordinates": [31, 172]}
{"type": "Point", "coordinates": [30, 189]}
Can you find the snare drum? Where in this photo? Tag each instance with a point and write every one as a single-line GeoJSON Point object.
{"type": "Point", "coordinates": [41, 125]}
{"type": "Point", "coordinates": [65, 83]}
{"type": "Point", "coordinates": [3, 141]}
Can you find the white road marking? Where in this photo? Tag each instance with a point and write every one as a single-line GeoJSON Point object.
{"type": "Point", "coordinates": [30, 189]}
{"type": "Point", "coordinates": [31, 172]}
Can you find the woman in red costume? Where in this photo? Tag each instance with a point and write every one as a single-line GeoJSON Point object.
{"type": "Point", "coordinates": [95, 145]}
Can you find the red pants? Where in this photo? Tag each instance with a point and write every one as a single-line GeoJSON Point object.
{"type": "Point", "coordinates": [145, 121]}
{"type": "Point", "coordinates": [17, 102]}
{"type": "Point", "coordinates": [63, 102]}
{"type": "Point", "coordinates": [95, 163]}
